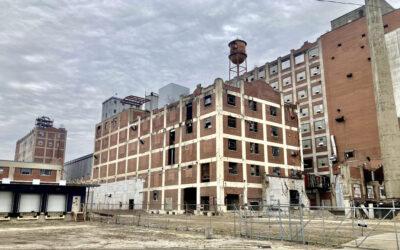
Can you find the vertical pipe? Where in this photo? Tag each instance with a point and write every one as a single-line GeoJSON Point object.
{"type": "Point", "coordinates": [323, 224]}
{"type": "Point", "coordinates": [280, 221]}
{"type": "Point", "coordinates": [302, 224]}
{"type": "Point", "coordinates": [394, 225]}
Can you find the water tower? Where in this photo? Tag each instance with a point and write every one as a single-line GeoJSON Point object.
{"type": "Point", "coordinates": [237, 58]}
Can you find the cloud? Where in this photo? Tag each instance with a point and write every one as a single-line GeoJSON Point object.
{"type": "Point", "coordinates": [63, 58]}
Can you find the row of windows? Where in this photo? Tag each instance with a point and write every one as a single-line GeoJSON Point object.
{"type": "Point", "coordinates": [319, 142]}
{"type": "Point", "coordinates": [317, 109]}
{"type": "Point", "coordinates": [253, 126]}
{"type": "Point", "coordinates": [254, 147]}
{"type": "Point", "coordinates": [318, 125]}
{"type": "Point", "coordinates": [233, 169]}
{"type": "Point", "coordinates": [285, 64]}
{"type": "Point", "coordinates": [49, 144]}
{"type": "Point", "coordinates": [287, 81]}
{"type": "Point", "coordinates": [28, 171]}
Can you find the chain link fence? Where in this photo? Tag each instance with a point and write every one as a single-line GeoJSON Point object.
{"type": "Point", "coordinates": [327, 226]}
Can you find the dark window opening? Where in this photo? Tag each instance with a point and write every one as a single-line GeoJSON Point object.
{"type": "Point", "coordinates": [349, 75]}
{"type": "Point", "coordinates": [363, 35]}
{"type": "Point", "coordinates": [231, 144]}
{"type": "Point", "coordinates": [171, 156]}
{"type": "Point", "coordinates": [339, 45]}
{"type": "Point", "coordinates": [274, 131]}
{"type": "Point", "coordinates": [294, 197]}
{"type": "Point", "coordinates": [205, 202]}
{"type": "Point", "coordinates": [155, 195]}
{"type": "Point", "coordinates": [205, 172]}
{"type": "Point", "coordinates": [207, 100]}
{"type": "Point", "coordinates": [385, 26]}
{"type": "Point", "coordinates": [254, 148]}
{"type": "Point", "coordinates": [231, 122]}
{"type": "Point", "coordinates": [189, 128]}
{"type": "Point", "coordinates": [232, 201]}
{"type": "Point", "coordinates": [273, 111]}
{"type": "Point", "coordinates": [231, 100]}
{"type": "Point", "coordinates": [233, 168]}
{"type": "Point", "coordinates": [131, 204]}
{"type": "Point", "coordinates": [275, 151]}
{"type": "Point", "coordinates": [207, 123]}
{"type": "Point", "coordinates": [253, 126]}
{"type": "Point", "coordinates": [349, 154]}
{"type": "Point", "coordinates": [189, 199]}
{"type": "Point", "coordinates": [171, 137]}
{"type": "Point", "coordinates": [189, 111]}
{"type": "Point", "coordinates": [369, 59]}
{"type": "Point", "coordinates": [276, 171]}
{"type": "Point", "coordinates": [253, 105]}
{"type": "Point", "coordinates": [308, 163]}
{"type": "Point", "coordinates": [254, 170]}
{"type": "Point", "coordinates": [332, 58]}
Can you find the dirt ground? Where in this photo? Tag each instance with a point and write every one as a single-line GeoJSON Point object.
{"type": "Point", "coordinates": [94, 235]}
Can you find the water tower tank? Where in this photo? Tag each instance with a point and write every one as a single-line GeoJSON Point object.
{"type": "Point", "coordinates": [237, 53]}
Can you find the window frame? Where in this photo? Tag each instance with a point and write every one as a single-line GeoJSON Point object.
{"type": "Point", "coordinates": [232, 145]}
{"type": "Point", "coordinates": [46, 172]}
{"type": "Point", "coordinates": [255, 170]}
{"type": "Point", "coordinates": [230, 120]}
{"type": "Point", "coordinates": [252, 105]}
{"type": "Point", "coordinates": [207, 100]}
{"type": "Point", "coordinates": [21, 171]}
{"type": "Point", "coordinates": [275, 151]}
{"type": "Point", "coordinates": [233, 168]}
{"type": "Point", "coordinates": [231, 99]}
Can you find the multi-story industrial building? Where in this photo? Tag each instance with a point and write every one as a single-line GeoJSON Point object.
{"type": "Point", "coordinates": [219, 147]}
{"type": "Point", "coordinates": [79, 169]}
{"type": "Point", "coordinates": [332, 82]}
{"type": "Point", "coordinates": [44, 144]}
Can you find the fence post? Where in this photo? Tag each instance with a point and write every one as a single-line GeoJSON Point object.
{"type": "Point", "coordinates": [234, 222]}
{"type": "Point", "coordinates": [280, 221]}
{"type": "Point", "coordinates": [290, 225]}
{"type": "Point", "coordinates": [394, 224]}
{"type": "Point", "coordinates": [323, 224]}
{"type": "Point", "coordinates": [302, 223]}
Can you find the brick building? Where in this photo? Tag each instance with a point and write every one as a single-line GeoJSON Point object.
{"type": "Point", "coordinates": [219, 147]}
{"type": "Point", "coordinates": [332, 82]}
{"type": "Point", "coordinates": [44, 144]}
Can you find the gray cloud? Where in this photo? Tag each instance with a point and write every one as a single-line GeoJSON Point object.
{"type": "Point", "coordinates": [63, 58]}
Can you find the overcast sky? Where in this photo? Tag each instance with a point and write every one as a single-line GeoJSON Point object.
{"type": "Point", "coordinates": [63, 58]}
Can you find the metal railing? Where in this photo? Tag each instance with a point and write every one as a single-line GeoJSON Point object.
{"type": "Point", "coordinates": [320, 225]}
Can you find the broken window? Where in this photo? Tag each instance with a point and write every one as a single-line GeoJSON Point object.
{"type": "Point", "coordinates": [274, 131]}
{"type": "Point", "coordinates": [321, 141]}
{"type": "Point", "coordinates": [273, 69]}
{"type": "Point", "coordinates": [189, 111]}
{"type": "Point", "coordinates": [316, 90]}
{"type": "Point", "coordinates": [314, 52]}
{"type": "Point", "coordinates": [231, 144]}
{"type": "Point", "coordinates": [274, 85]}
{"type": "Point", "coordinates": [25, 171]}
{"type": "Point", "coordinates": [231, 100]}
{"type": "Point", "coordinates": [288, 98]}
{"type": "Point", "coordinates": [253, 126]}
{"type": "Point", "coordinates": [301, 76]}
{"type": "Point", "coordinates": [189, 128]}
{"type": "Point", "coordinates": [231, 122]}
{"type": "Point", "coordinates": [254, 148]}
{"type": "Point", "coordinates": [253, 105]}
{"type": "Point", "coordinates": [304, 112]}
{"type": "Point", "coordinates": [285, 64]}
{"type": "Point", "coordinates": [276, 171]}
{"type": "Point", "coordinates": [306, 144]}
{"type": "Point", "coordinates": [207, 100]}
{"type": "Point", "coordinates": [287, 81]}
{"type": "Point", "coordinates": [273, 111]}
{"type": "Point", "coordinates": [172, 137]}
{"type": "Point", "coordinates": [233, 168]}
{"type": "Point", "coordinates": [318, 109]}
{"type": "Point", "coordinates": [322, 162]}
{"type": "Point", "coordinates": [45, 172]}
{"type": "Point", "coordinates": [319, 125]}
{"type": "Point", "coordinates": [275, 151]}
{"type": "Point", "coordinates": [314, 71]}
{"type": "Point", "coordinates": [299, 58]}
{"type": "Point", "coordinates": [308, 163]}
{"type": "Point", "coordinates": [155, 195]}
{"type": "Point", "coordinates": [302, 94]}
{"type": "Point", "coordinates": [254, 170]}
{"type": "Point", "coordinates": [348, 154]}
{"type": "Point", "coordinates": [171, 156]}
{"type": "Point", "coordinates": [207, 123]}
{"type": "Point", "coordinates": [205, 172]}
{"type": "Point", "coordinates": [305, 127]}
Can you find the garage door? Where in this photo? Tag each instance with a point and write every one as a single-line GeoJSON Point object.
{"type": "Point", "coordinates": [56, 203]}
{"type": "Point", "coordinates": [29, 203]}
{"type": "Point", "coordinates": [5, 202]}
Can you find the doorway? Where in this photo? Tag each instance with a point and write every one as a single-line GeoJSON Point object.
{"type": "Point", "coordinates": [189, 199]}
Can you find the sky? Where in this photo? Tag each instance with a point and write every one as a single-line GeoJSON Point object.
{"type": "Point", "coordinates": [62, 59]}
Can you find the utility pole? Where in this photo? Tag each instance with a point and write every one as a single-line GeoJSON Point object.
{"type": "Point", "coordinates": [388, 126]}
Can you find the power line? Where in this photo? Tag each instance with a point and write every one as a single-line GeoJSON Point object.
{"type": "Point", "coordinates": [340, 2]}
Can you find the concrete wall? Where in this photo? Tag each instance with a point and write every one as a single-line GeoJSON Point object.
{"type": "Point", "coordinates": [393, 47]}
{"type": "Point", "coordinates": [171, 93]}
{"type": "Point", "coordinates": [79, 169]}
{"type": "Point", "coordinates": [278, 190]}
{"type": "Point", "coordinates": [110, 195]}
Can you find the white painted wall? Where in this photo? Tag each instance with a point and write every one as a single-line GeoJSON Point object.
{"type": "Point", "coordinates": [120, 191]}
{"type": "Point", "coordinates": [278, 190]}
{"type": "Point", "coordinates": [393, 47]}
